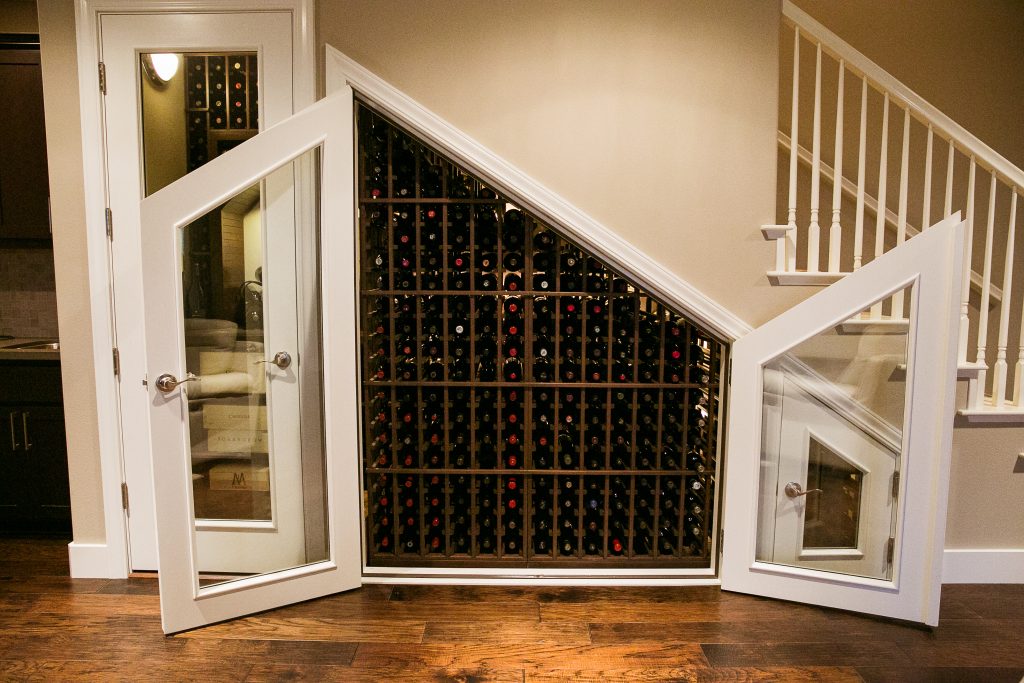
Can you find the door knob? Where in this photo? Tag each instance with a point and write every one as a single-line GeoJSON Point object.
{"type": "Point", "coordinates": [281, 359]}
{"type": "Point", "coordinates": [167, 382]}
{"type": "Point", "coordinates": [795, 490]}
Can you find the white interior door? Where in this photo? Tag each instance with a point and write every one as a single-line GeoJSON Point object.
{"type": "Point", "coordinates": [135, 171]}
{"type": "Point", "coordinates": [839, 438]}
{"type": "Point", "coordinates": [255, 455]}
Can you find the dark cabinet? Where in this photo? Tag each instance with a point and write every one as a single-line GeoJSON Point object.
{"type": "Point", "coordinates": [24, 185]}
{"type": "Point", "coordinates": [34, 495]}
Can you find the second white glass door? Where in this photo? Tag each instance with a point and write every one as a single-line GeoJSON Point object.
{"type": "Point", "coordinates": [840, 427]}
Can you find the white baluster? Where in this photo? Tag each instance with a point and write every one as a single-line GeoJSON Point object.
{"type": "Point", "coordinates": [883, 171]}
{"type": "Point", "coordinates": [986, 292]}
{"type": "Point", "coordinates": [790, 241]}
{"type": "Point", "coordinates": [999, 369]}
{"type": "Point", "coordinates": [835, 233]}
{"type": "Point", "coordinates": [926, 204]}
{"type": "Point", "coordinates": [947, 207]}
{"type": "Point", "coordinates": [814, 230]}
{"type": "Point", "coordinates": [965, 284]}
{"type": "Point", "coordinates": [858, 231]}
{"type": "Point", "coordinates": [901, 221]}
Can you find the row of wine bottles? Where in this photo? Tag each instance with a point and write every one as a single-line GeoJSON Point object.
{"type": "Point", "coordinates": [473, 257]}
{"type": "Point", "coordinates": [566, 428]}
{"type": "Point", "coordinates": [571, 339]}
{"type": "Point", "coordinates": [555, 515]}
{"type": "Point", "coordinates": [397, 166]}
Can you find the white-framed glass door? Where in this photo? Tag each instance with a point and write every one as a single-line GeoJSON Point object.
{"type": "Point", "coordinates": [253, 418]}
{"type": "Point", "coordinates": [839, 435]}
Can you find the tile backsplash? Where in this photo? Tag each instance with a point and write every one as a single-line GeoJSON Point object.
{"type": "Point", "coordinates": [28, 302]}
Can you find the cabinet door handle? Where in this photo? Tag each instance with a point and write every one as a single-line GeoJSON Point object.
{"type": "Point", "coordinates": [14, 439]}
{"type": "Point", "coordinates": [24, 429]}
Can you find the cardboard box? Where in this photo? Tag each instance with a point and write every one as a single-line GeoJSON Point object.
{"type": "Point", "coordinates": [231, 477]}
{"type": "Point", "coordinates": [237, 441]}
{"type": "Point", "coordinates": [226, 416]}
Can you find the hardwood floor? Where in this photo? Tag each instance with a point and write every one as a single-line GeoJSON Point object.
{"type": "Point", "coordinates": [56, 628]}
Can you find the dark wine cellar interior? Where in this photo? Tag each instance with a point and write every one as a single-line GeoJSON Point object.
{"type": "Point", "coordinates": [524, 405]}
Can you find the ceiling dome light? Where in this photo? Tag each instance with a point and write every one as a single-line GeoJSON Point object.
{"type": "Point", "coordinates": [162, 66]}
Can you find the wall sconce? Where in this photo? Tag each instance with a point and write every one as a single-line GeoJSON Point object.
{"type": "Point", "coordinates": [161, 67]}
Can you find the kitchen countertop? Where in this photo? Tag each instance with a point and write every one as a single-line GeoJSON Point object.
{"type": "Point", "coordinates": [7, 353]}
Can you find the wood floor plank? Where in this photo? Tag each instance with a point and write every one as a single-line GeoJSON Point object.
{"type": "Point", "coordinates": [905, 674]}
{"type": "Point", "coordinates": [501, 632]}
{"type": "Point", "coordinates": [416, 611]}
{"type": "Point", "coordinates": [1002, 653]}
{"type": "Point", "coordinates": [530, 656]}
{"type": "Point", "coordinates": [271, 627]}
{"type": "Point", "coordinates": [304, 672]}
{"type": "Point", "coordinates": [156, 670]}
{"type": "Point", "coordinates": [850, 653]}
{"type": "Point", "coordinates": [701, 675]}
{"type": "Point", "coordinates": [597, 611]}
{"type": "Point", "coordinates": [89, 603]}
{"type": "Point", "coordinates": [61, 585]}
{"type": "Point", "coordinates": [311, 652]}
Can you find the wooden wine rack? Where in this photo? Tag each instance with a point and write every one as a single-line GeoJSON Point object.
{"type": "Point", "coordinates": [631, 456]}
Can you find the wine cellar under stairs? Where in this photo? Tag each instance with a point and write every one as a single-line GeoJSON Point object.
{"type": "Point", "coordinates": [523, 404]}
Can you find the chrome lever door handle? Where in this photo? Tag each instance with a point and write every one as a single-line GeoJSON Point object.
{"type": "Point", "coordinates": [281, 359]}
{"type": "Point", "coordinates": [14, 439]}
{"type": "Point", "coordinates": [795, 490]}
{"type": "Point", "coordinates": [166, 383]}
{"type": "Point", "coordinates": [24, 430]}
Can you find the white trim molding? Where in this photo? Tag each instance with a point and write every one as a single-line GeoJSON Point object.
{"type": "Point", "coordinates": [967, 565]}
{"type": "Point", "coordinates": [87, 13]}
{"type": "Point", "coordinates": [96, 561]}
{"type": "Point", "coordinates": [522, 188]}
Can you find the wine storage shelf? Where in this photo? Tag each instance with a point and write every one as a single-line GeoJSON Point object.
{"type": "Point", "coordinates": [523, 404]}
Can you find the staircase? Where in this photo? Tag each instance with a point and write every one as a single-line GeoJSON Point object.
{"type": "Point", "coordinates": [942, 168]}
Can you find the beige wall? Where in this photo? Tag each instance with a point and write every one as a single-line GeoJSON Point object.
{"type": "Point", "coordinates": [656, 118]}
{"type": "Point", "coordinates": [163, 130]}
{"type": "Point", "coordinates": [64, 156]}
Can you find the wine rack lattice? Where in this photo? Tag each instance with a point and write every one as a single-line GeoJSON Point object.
{"type": "Point", "coordinates": [523, 404]}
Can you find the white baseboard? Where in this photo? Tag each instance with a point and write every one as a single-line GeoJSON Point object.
{"type": "Point", "coordinates": [96, 561]}
{"type": "Point", "coordinates": [1002, 565]}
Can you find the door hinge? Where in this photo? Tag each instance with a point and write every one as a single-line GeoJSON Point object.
{"type": "Point", "coordinates": [895, 484]}
{"type": "Point", "coordinates": [124, 496]}
{"type": "Point", "coordinates": [117, 362]}
{"type": "Point", "coordinates": [103, 78]}
{"type": "Point", "coordinates": [108, 216]}
{"type": "Point", "coordinates": [890, 549]}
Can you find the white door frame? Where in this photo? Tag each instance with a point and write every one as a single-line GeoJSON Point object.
{"type": "Point", "coordinates": [109, 559]}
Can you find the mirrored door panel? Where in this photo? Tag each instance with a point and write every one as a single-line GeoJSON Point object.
{"type": "Point", "coordinates": [832, 431]}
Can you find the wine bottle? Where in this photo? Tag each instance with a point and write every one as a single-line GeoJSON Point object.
{"type": "Point", "coordinates": [458, 271]}
{"type": "Point", "coordinates": [513, 260]}
{"type": "Point", "coordinates": [513, 232]}
{"type": "Point", "coordinates": [460, 185]}
{"type": "Point", "coordinates": [513, 282]}
{"type": "Point", "coordinates": [430, 179]}
{"type": "Point", "coordinates": [569, 275]}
